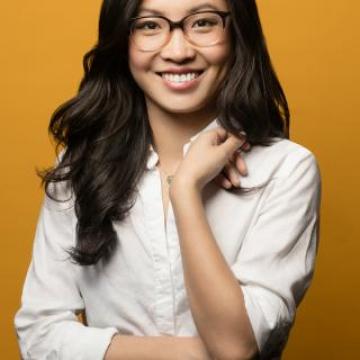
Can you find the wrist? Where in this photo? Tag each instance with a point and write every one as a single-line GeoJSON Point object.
{"type": "Point", "coordinates": [181, 186]}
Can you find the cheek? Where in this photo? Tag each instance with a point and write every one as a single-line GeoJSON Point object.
{"type": "Point", "coordinates": [225, 58]}
{"type": "Point", "coordinates": [220, 63]}
{"type": "Point", "coordinates": [138, 61]}
{"type": "Point", "coordinates": [219, 56]}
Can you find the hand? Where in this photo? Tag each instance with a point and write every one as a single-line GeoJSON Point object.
{"type": "Point", "coordinates": [229, 176]}
{"type": "Point", "coordinates": [213, 155]}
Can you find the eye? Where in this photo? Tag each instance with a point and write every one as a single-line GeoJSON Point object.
{"type": "Point", "coordinates": [205, 22]}
{"type": "Point", "coordinates": [146, 25]}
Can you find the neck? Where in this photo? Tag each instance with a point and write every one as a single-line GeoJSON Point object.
{"type": "Point", "coordinates": [171, 131]}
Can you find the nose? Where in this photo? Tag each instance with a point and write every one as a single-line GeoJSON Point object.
{"type": "Point", "coordinates": [177, 48]}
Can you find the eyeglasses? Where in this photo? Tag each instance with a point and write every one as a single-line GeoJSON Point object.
{"type": "Point", "coordinates": [205, 28]}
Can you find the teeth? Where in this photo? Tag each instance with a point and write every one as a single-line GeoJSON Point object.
{"type": "Point", "coordinates": [179, 78]}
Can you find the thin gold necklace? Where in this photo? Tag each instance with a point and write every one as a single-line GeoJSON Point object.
{"type": "Point", "coordinates": [169, 178]}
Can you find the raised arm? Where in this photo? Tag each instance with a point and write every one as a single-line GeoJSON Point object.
{"type": "Point", "coordinates": [248, 308]}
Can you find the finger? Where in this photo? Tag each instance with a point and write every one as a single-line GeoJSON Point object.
{"type": "Point", "coordinates": [246, 146]}
{"type": "Point", "coordinates": [232, 174]}
{"type": "Point", "coordinates": [221, 134]}
{"type": "Point", "coordinates": [233, 143]}
{"type": "Point", "coordinates": [222, 181]}
{"type": "Point", "coordinates": [240, 164]}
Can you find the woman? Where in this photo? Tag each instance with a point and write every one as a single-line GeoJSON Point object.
{"type": "Point", "coordinates": [135, 229]}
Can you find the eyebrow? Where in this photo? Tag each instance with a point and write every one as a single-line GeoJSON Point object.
{"type": "Point", "coordinates": [191, 10]}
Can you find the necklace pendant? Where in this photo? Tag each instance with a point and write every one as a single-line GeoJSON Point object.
{"type": "Point", "coordinates": [169, 179]}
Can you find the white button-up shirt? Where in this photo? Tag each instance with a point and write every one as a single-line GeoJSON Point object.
{"type": "Point", "coordinates": [268, 238]}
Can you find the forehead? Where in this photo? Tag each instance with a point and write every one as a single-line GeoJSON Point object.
{"type": "Point", "coordinates": [179, 7]}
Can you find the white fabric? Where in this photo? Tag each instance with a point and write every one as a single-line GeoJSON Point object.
{"type": "Point", "coordinates": [268, 237]}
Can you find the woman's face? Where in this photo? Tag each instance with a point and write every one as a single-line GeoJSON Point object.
{"type": "Point", "coordinates": [165, 91]}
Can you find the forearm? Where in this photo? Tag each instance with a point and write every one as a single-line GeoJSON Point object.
{"type": "Point", "coordinates": [215, 297]}
{"type": "Point", "coordinates": [126, 347]}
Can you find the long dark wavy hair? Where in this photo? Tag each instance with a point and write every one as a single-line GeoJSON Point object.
{"type": "Point", "coordinates": [104, 132]}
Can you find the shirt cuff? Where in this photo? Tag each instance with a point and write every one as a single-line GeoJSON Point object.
{"type": "Point", "coordinates": [96, 342]}
{"type": "Point", "coordinates": [269, 317]}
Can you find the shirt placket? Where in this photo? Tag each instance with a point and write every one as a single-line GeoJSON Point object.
{"type": "Point", "coordinates": [162, 239]}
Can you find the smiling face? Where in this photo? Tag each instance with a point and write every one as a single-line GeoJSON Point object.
{"type": "Point", "coordinates": [154, 71]}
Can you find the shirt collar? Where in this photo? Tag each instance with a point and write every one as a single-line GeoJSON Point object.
{"type": "Point", "coordinates": [154, 157]}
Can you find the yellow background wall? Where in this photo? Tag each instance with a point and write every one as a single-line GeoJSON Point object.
{"type": "Point", "coordinates": [315, 49]}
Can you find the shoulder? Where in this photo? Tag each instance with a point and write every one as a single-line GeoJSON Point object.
{"type": "Point", "coordinates": [278, 160]}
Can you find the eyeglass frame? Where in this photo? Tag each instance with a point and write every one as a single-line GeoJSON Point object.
{"type": "Point", "coordinates": [180, 23]}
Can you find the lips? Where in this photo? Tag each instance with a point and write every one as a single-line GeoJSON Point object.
{"type": "Point", "coordinates": [181, 81]}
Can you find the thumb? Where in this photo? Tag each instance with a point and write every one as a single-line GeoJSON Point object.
{"type": "Point", "coordinates": [221, 135]}
{"type": "Point", "coordinates": [232, 143]}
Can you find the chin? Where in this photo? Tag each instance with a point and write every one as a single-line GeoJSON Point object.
{"type": "Point", "coordinates": [182, 104]}
{"type": "Point", "coordinates": [182, 108]}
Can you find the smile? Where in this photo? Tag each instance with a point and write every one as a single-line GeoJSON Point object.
{"type": "Point", "coordinates": [179, 78]}
{"type": "Point", "coordinates": [181, 81]}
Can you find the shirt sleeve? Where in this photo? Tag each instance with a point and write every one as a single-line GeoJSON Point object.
{"type": "Point", "coordinates": [46, 323]}
{"type": "Point", "coordinates": [276, 262]}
